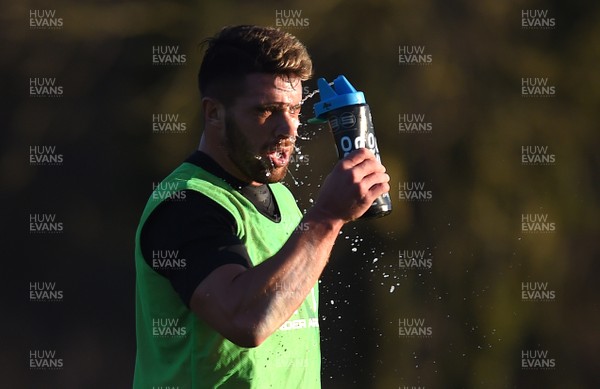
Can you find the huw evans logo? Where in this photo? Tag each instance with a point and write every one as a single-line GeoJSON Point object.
{"type": "Point", "coordinates": [168, 190]}
{"type": "Point", "coordinates": [415, 259]}
{"type": "Point", "coordinates": [167, 55]}
{"type": "Point", "coordinates": [168, 327]}
{"type": "Point", "coordinates": [286, 288]}
{"type": "Point", "coordinates": [44, 360]}
{"type": "Point", "coordinates": [414, 191]}
{"type": "Point", "coordinates": [413, 55]}
{"type": "Point", "coordinates": [44, 19]}
{"type": "Point", "coordinates": [299, 159]}
{"type": "Point", "coordinates": [45, 223]}
{"type": "Point", "coordinates": [537, 87]}
{"type": "Point", "coordinates": [537, 223]}
{"type": "Point", "coordinates": [166, 123]}
{"type": "Point", "coordinates": [302, 227]}
{"type": "Point", "coordinates": [44, 292]}
{"type": "Point", "coordinates": [290, 18]}
{"type": "Point", "coordinates": [537, 155]}
{"type": "Point", "coordinates": [44, 87]}
{"type": "Point", "coordinates": [537, 292]}
{"type": "Point", "coordinates": [167, 260]}
{"type": "Point", "coordinates": [44, 156]}
{"type": "Point", "coordinates": [414, 328]}
{"type": "Point", "coordinates": [537, 19]}
{"type": "Point", "coordinates": [413, 124]}
{"type": "Point", "coordinates": [537, 360]}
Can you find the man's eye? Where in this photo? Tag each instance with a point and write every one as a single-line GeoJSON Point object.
{"type": "Point", "coordinates": [266, 110]}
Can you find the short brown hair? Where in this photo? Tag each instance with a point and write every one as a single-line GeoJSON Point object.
{"type": "Point", "coordinates": [237, 51]}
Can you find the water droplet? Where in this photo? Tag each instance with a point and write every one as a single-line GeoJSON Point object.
{"type": "Point", "coordinates": [309, 95]}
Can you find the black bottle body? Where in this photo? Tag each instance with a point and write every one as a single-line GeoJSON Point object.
{"type": "Point", "coordinates": [352, 128]}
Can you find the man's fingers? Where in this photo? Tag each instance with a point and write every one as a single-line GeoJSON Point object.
{"type": "Point", "coordinates": [356, 157]}
{"type": "Point", "coordinates": [366, 168]}
{"type": "Point", "coordinates": [375, 183]}
{"type": "Point", "coordinates": [353, 185]}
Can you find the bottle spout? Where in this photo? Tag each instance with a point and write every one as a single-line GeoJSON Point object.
{"type": "Point", "coordinates": [343, 86]}
{"type": "Point", "coordinates": [325, 90]}
{"type": "Point", "coordinates": [342, 94]}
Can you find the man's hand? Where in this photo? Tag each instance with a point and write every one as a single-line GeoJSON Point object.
{"type": "Point", "coordinates": [352, 186]}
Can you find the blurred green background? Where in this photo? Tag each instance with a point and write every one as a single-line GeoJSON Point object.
{"type": "Point", "coordinates": [470, 92]}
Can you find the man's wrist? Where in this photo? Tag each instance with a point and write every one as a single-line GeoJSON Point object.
{"type": "Point", "coordinates": [322, 219]}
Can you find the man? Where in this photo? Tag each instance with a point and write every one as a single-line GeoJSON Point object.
{"type": "Point", "coordinates": [226, 292]}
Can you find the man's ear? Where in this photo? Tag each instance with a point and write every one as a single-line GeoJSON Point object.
{"type": "Point", "coordinates": [214, 112]}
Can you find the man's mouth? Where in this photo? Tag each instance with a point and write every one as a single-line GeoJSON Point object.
{"type": "Point", "coordinates": [280, 157]}
{"type": "Point", "coordinates": [280, 153]}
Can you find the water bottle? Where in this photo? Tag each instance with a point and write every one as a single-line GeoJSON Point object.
{"type": "Point", "coordinates": [350, 120]}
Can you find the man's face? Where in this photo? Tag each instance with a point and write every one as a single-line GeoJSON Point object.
{"type": "Point", "coordinates": [261, 127]}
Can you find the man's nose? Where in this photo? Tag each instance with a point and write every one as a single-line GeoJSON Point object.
{"type": "Point", "coordinates": [288, 124]}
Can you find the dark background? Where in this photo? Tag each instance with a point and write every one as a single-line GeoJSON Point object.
{"type": "Point", "coordinates": [471, 162]}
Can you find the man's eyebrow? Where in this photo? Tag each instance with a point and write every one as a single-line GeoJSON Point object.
{"type": "Point", "coordinates": [278, 105]}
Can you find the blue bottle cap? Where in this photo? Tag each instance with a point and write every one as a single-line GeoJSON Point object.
{"type": "Point", "coordinates": [342, 94]}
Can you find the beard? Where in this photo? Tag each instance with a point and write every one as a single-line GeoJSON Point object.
{"type": "Point", "coordinates": [267, 165]}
